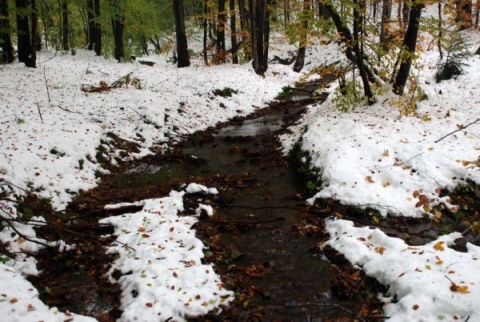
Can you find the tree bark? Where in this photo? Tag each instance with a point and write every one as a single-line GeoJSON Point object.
{"type": "Point", "coordinates": [409, 44]}
{"type": "Point", "coordinates": [358, 10]}
{"type": "Point", "coordinates": [205, 32]}
{"type": "Point", "coordinates": [182, 45]}
{"type": "Point", "coordinates": [65, 27]}
{"type": "Point", "coordinates": [98, 28]}
{"type": "Point", "coordinates": [118, 19]}
{"type": "Point", "coordinates": [32, 61]}
{"type": "Point", "coordinates": [233, 28]}
{"type": "Point", "coordinates": [302, 46]}
{"type": "Point", "coordinates": [384, 24]}
{"type": "Point", "coordinates": [221, 32]}
{"type": "Point", "coordinates": [90, 25]}
{"type": "Point", "coordinates": [23, 31]}
{"type": "Point", "coordinates": [260, 34]}
{"type": "Point", "coordinates": [5, 37]}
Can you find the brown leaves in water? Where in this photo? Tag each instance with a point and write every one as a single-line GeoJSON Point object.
{"type": "Point", "coordinates": [257, 270]}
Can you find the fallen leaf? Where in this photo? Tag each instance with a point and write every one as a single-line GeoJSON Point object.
{"type": "Point", "coordinates": [415, 307]}
{"type": "Point", "coordinates": [14, 300]}
{"type": "Point", "coordinates": [459, 288]}
{"type": "Point", "coordinates": [148, 304]}
{"type": "Point", "coordinates": [439, 246]}
{"type": "Point", "coordinates": [380, 249]}
{"type": "Point", "coordinates": [369, 179]}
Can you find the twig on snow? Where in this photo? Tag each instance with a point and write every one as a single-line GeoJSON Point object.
{"type": "Point", "coordinates": [39, 112]}
{"type": "Point", "coordinates": [460, 128]}
{"type": "Point", "coordinates": [46, 84]}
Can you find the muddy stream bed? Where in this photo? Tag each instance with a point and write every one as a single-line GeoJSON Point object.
{"type": "Point", "coordinates": [263, 240]}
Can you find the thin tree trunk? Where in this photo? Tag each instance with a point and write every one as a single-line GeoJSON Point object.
{"type": "Point", "coordinates": [205, 32]}
{"type": "Point", "coordinates": [384, 24]}
{"type": "Point", "coordinates": [65, 40]}
{"type": "Point", "coordinates": [5, 37]}
{"type": "Point", "coordinates": [233, 28]}
{"type": "Point", "coordinates": [118, 19]}
{"type": "Point", "coordinates": [440, 32]}
{"type": "Point", "coordinates": [221, 32]}
{"type": "Point", "coordinates": [91, 24]}
{"type": "Point", "coordinates": [302, 46]}
{"type": "Point", "coordinates": [182, 45]}
{"type": "Point", "coordinates": [260, 33]}
{"type": "Point", "coordinates": [98, 28]}
{"type": "Point", "coordinates": [32, 61]}
{"type": "Point", "coordinates": [358, 11]}
{"type": "Point", "coordinates": [23, 31]}
{"type": "Point", "coordinates": [409, 44]}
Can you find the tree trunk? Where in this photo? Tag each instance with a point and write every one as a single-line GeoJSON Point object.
{"type": "Point", "coordinates": [118, 19]}
{"type": "Point", "coordinates": [91, 25]}
{"type": "Point", "coordinates": [244, 26]}
{"type": "Point", "coordinates": [65, 40]}
{"type": "Point", "coordinates": [302, 46]}
{"type": "Point", "coordinates": [347, 39]}
{"type": "Point", "coordinates": [260, 33]}
{"type": "Point", "coordinates": [440, 31]}
{"type": "Point", "coordinates": [233, 28]}
{"type": "Point", "coordinates": [98, 28]}
{"type": "Point", "coordinates": [221, 32]}
{"type": "Point", "coordinates": [385, 23]}
{"type": "Point", "coordinates": [182, 45]}
{"type": "Point", "coordinates": [205, 32]}
{"type": "Point", "coordinates": [358, 10]}
{"type": "Point", "coordinates": [408, 51]}
{"type": "Point", "coordinates": [32, 60]}
{"type": "Point", "coordinates": [23, 31]}
{"type": "Point", "coordinates": [5, 38]}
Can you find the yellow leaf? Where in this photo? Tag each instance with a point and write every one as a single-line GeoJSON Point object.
{"type": "Point", "coordinates": [380, 249]}
{"type": "Point", "coordinates": [386, 153]}
{"type": "Point", "coordinates": [439, 246]}
{"type": "Point", "coordinates": [428, 266]}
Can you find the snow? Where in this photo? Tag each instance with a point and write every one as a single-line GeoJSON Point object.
{"type": "Point", "coordinates": [164, 277]}
{"type": "Point", "coordinates": [432, 282]}
{"type": "Point", "coordinates": [372, 156]}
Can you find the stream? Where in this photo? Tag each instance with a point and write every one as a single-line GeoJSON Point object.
{"type": "Point", "coordinates": [258, 239]}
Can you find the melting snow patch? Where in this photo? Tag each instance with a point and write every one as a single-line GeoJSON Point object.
{"type": "Point", "coordinates": [425, 283]}
{"type": "Point", "coordinates": [160, 260]}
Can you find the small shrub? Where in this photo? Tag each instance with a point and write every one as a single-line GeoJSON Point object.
{"type": "Point", "coordinates": [347, 95]}
{"type": "Point", "coordinates": [225, 92]}
{"type": "Point", "coordinates": [454, 64]}
{"type": "Point", "coordinates": [286, 92]}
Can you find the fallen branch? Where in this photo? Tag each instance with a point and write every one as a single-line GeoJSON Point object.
{"type": "Point", "coordinates": [46, 85]}
{"type": "Point", "coordinates": [460, 128]}
{"type": "Point", "coordinates": [40, 112]}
